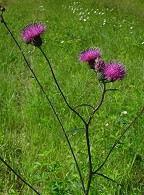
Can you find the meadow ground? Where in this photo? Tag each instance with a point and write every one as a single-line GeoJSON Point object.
{"type": "Point", "coordinates": [32, 142]}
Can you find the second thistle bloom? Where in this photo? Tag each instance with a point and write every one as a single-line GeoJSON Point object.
{"type": "Point", "coordinates": [90, 55]}
{"type": "Point", "coordinates": [99, 65]}
{"type": "Point", "coordinates": [114, 71]}
{"type": "Point", "coordinates": [32, 32]}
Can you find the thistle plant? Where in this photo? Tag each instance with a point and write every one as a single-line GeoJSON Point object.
{"type": "Point", "coordinates": [32, 32]}
{"type": "Point", "coordinates": [105, 74]}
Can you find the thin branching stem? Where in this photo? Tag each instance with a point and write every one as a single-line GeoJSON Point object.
{"type": "Point", "coordinates": [58, 86]}
{"type": "Point", "coordinates": [19, 176]}
{"type": "Point", "coordinates": [100, 103]}
{"type": "Point", "coordinates": [117, 141]}
{"type": "Point", "coordinates": [110, 179]}
{"type": "Point", "coordinates": [90, 159]}
{"type": "Point", "coordinates": [87, 138]}
{"type": "Point", "coordinates": [49, 102]}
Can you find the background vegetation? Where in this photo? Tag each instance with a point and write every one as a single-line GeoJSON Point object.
{"type": "Point", "coordinates": [31, 138]}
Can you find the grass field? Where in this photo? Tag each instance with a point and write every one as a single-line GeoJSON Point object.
{"type": "Point", "coordinates": [32, 142]}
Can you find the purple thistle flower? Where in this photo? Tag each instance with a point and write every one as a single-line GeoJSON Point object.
{"type": "Point", "coordinates": [90, 54]}
{"type": "Point", "coordinates": [32, 32]}
{"type": "Point", "coordinates": [114, 71]}
{"type": "Point", "coordinates": [99, 65]}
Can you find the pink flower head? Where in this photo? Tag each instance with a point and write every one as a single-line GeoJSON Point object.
{"type": "Point", "coordinates": [32, 32]}
{"type": "Point", "coordinates": [90, 54]}
{"type": "Point", "coordinates": [99, 65]}
{"type": "Point", "coordinates": [114, 71]}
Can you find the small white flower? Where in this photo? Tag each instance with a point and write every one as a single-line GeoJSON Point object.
{"type": "Point", "coordinates": [62, 41]}
{"type": "Point", "coordinates": [106, 124]}
{"type": "Point", "coordinates": [142, 43]}
{"type": "Point", "coordinates": [74, 10]}
{"type": "Point", "coordinates": [124, 112]}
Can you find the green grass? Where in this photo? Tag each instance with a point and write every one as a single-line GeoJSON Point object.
{"type": "Point", "coordinates": [32, 142]}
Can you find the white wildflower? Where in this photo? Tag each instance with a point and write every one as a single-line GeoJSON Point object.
{"type": "Point", "coordinates": [124, 112]}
